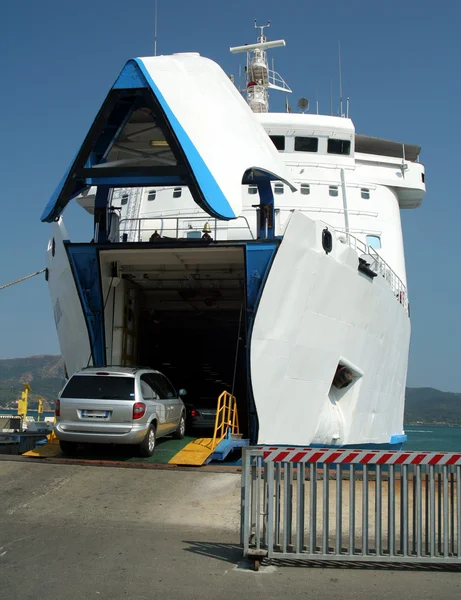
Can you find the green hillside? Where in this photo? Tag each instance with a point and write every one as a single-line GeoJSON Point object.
{"type": "Point", "coordinates": [44, 374]}
{"type": "Point", "coordinates": [427, 405]}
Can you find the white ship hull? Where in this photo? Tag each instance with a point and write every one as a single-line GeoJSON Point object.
{"type": "Point", "coordinates": [277, 274]}
{"type": "Point", "coordinates": [314, 312]}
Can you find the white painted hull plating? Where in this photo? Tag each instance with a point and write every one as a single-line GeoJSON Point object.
{"type": "Point", "coordinates": [315, 311]}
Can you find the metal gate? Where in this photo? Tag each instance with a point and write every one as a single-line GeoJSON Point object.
{"type": "Point", "coordinates": [351, 505]}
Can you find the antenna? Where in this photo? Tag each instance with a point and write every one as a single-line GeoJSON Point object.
{"type": "Point", "coordinates": [155, 30]}
{"type": "Point", "coordinates": [262, 28]}
{"type": "Point", "coordinates": [331, 97]}
{"type": "Point", "coordinates": [259, 78]}
{"type": "Point", "coordinates": [340, 81]}
{"type": "Point", "coordinates": [317, 99]}
{"type": "Point", "coordinates": [347, 108]}
{"type": "Point", "coordinates": [404, 166]}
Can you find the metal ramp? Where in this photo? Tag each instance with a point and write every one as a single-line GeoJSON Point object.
{"type": "Point", "coordinates": [226, 437]}
{"type": "Point", "coordinates": [196, 453]}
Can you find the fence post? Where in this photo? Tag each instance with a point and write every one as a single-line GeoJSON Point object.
{"type": "Point", "coordinates": [270, 508]}
{"type": "Point", "coordinates": [245, 501]}
{"type": "Point", "coordinates": [300, 498]}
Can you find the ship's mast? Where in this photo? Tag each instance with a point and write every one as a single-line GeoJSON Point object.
{"type": "Point", "coordinates": [259, 78]}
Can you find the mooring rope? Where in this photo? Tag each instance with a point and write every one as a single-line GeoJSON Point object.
{"type": "Point", "coordinates": [22, 279]}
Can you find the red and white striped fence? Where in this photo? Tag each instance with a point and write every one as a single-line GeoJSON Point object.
{"type": "Point", "coordinates": [356, 457]}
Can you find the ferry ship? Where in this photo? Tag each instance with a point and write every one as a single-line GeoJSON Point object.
{"type": "Point", "coordinates": [240, 249]}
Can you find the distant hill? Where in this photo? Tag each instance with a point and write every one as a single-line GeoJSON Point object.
{"type": "Point", "coordinates": [427, 405]}
{"type": "Point", "coordinates": [45, 375]}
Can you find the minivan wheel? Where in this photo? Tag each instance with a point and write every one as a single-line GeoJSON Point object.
{"type": "Point", "coordinates": [147, 446]}
{"type": "Point", "coordinates": [69, 448]}
{"type": "Point", "coordinates": [181, 430]}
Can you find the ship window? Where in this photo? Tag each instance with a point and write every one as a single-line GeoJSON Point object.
{"type": "Point", "coordinates": [339, 146]}
{"type": "Point", "coordinates": [252, 189]}
{"type": "Point", "coordinates": [306, 144]}
{"type": "Point", "coordinates": [333, 190]}
{"type": "Point", "coordinates": [278, 188]}
{"type": "Point", "coordinates": [422, 177]}
{"type": "Point", "coordinates": [305, 189]}
{"type": "Point", "coordinates": [151, 195]}
{"type": "Point", "coordinates": [124, 199]}
{"type": "Point", "coordinates": [193, 235]}
{"type": "Point", "coordinates": [278, 141]}
{"type": "Point", "coordinates": [374, 241]}
{"type": "Point", "coordinates": [177, 193]}
{"type": "Point", "coordinates": [365, 193]}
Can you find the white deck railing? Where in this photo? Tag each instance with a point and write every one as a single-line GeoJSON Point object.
{"type": "Point", "coordinates": [380, 266]}
{"type": "Point", "coordinates": [180, 227]}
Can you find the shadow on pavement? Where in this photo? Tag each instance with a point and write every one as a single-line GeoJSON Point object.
{"type": "Point", "coordinates": [230, 553]}
{"type": "Point", "coordinates": [233, 554]}
{"type": "Point", "coordinates": [358, 565]}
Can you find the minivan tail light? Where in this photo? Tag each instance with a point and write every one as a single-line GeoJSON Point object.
{"type": "Point", "coordinates": [139, 410]}
{"type": "Point", "coordinates": [57, 409]}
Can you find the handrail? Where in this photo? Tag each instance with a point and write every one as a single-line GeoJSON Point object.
{"type": "Point", "coordinates": [226, 422]}
{"type": "Point", "coordinates": [180, 224]}
{"type": "Point", "coordinates": [381, 267]}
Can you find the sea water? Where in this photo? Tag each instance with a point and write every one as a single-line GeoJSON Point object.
{"type": "Point", "coordinates": [433, 437]}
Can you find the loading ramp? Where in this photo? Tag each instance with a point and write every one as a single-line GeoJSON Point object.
{"type": "Point", "coordinates": [226, 438]}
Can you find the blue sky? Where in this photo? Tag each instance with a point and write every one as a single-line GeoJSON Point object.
{"type": "Point", "coordinates": [400, 68]}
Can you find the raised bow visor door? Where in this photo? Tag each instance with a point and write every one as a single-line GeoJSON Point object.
{"type": "Point", "coordinates": [173, 121]}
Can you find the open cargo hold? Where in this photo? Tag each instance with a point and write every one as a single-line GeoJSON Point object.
{"type": "Point", "coordinates": [182, 311]}
{"type": "Point", "coordinates": [183, 307]}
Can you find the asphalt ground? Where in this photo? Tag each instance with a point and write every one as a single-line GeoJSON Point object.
{"type": "Point", "coordinates": [76, 532]}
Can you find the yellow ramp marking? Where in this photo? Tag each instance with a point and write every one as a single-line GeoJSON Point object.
{"type": "Point", "coordinates": [195, 453]}
{"type": "Point", "coordinates": [51, 437]}
{"type": "Point", "coordinates": [48, 450]}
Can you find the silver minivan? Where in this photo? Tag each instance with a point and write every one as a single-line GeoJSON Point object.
{"type": "Point", "coordinates": [118, 405]}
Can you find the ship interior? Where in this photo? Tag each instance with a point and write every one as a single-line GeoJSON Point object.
{"type": "Point", "coordinates": [185, 312]}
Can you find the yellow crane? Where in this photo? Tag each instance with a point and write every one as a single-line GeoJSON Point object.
{"type": "Point", "coordinates": [39, 407]}
{"type": "Point", "coordinates": [23, 402]}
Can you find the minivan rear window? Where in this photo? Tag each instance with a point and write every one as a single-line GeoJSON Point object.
{"type": "Point", "coordinates": [100, 387]}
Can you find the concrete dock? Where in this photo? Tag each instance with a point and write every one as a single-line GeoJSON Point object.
{"type": "Point", "coordinates": [110, 533]}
